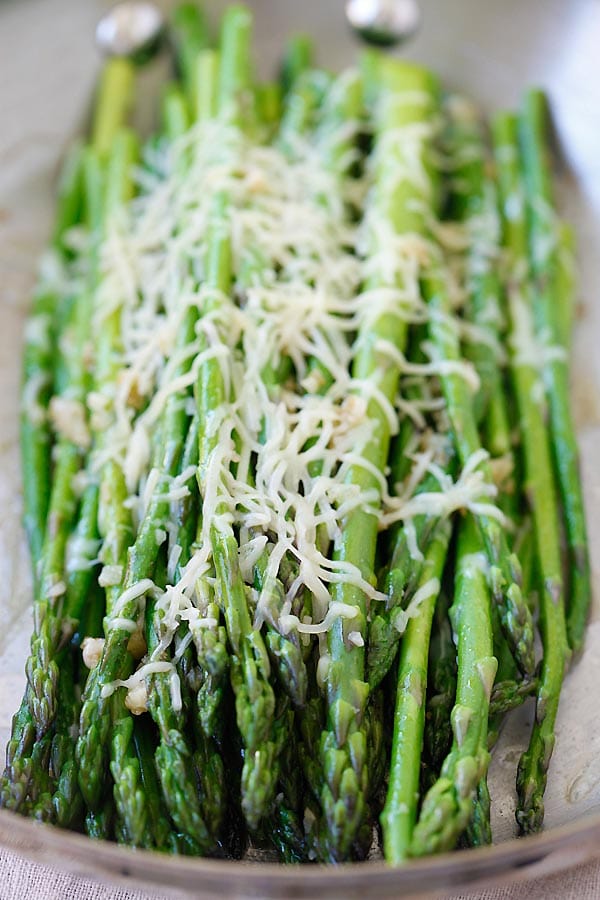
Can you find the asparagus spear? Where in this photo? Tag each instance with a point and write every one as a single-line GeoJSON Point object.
{"type": "Point", "coordinates": [505, 573]}
{"type": "Point", "coordinates": [41, 668]}
{"type": "Point", "coordinates": [400, 810]}
{"type": "Point", "coordinates": [38, 353]}
{"type": "Point", "coordinates": [173, 754]}
{"type": "Point", "coordinates": [401, 581]}
{"type": "Point", "coordinates": [99, 824]}
{"type": "Point", "coordinates": [297, 59]}
{"type": "Point", "coordinates": [474, 203]}
{"type": "Point", "coordinates": [284, 650]}
{"type": "Point", "coordinates": [189, 36]}
{"type": "Point", "coordinates": [548, 302]}
{"type": "Point", "coordinates": [113, 102]}
{"type": "Point", "coordinates": [116, 661]}
{"type": "Point", "coordinates": [255, 703]}
{"type": "Point", "coordinates": [163, 836]}
{"type": "Point", "coordinates": [510, 694]}
{"type": "Point", "coordinates": [402, 576]}
{"type": "Point", "coordinates": [565, 283]}
{"type": "Point", "coordinates": [540, 485]}
{"type": "Point", "coordinates": [343, 743]}
{"type": "Point", "coordinates": [130, 797]}
{"type": "Point", "coordinates": [447, 807]}
{"type": "Point", "coordinates": [283, 829]}
{"type": "Point", "coordinates": [342, 103]}
{"type": "Point", "coordinates": [505, 570]}
{"type": "Point", "coordinates": [473, 199]}
{"type": "Point", "coordinates": [114, 518]}
{"type": "Point", "coordinates": [67, 801]}
{"type": "Point", "coordinates": [479, 830]}
{"type": "Point", "coordinates": [441, 681]}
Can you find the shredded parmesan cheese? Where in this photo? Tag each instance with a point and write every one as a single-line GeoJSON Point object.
{"type": "Point", "coordinates": [110, 576]}
{"type": "Point", "coordinates": [309, 278]}
{"type": "Point", "coordinates": [430, 589]}
{"type": "Point", "coordinates": [91, 651]}
{"type": "Point", "coordinates": [68, 417]}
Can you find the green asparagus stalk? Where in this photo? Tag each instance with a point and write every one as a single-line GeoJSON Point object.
{"type": "Point", "coordinates": [504, 567]}
{"type": "Point", "coordinates": [48, 609]}
{"type": "Point", "coordinates": [285, 651]}
{"type": "Point", "coordinates": [163, 837]}
{"type": "Point", "coordinates": [113, 103]}
{"type": "Point", "coordinates": [189, 36]}
{"type": "Point", "coordinates": [283, 829]}
{"type": "Point", "coordinates": [269, 107]}
{"type": "Point", "coordinates": [565, 283]}
{"type": "Point", "coordinates": [548, 303]}
{"type": "Point", "coordinates": [67, 801]}
{"type": "Point", "coordinates": [540, 485]}
{"type": "Point", "coordinates": [401, 581]}
{"type": "Point", "coordinates": [379, 747]}
{"type": "Point", "coordinates": [173, 754]}
{"type": "Point", "coordinates": [100, 823]}
{"type": "Point", "coordinates": [344, 744]}
{"type": "Point", "coordinates": [117, 662]}
{"type": "Point", "coordinates": [341, 104]}
{"type": "Point", "coordinates": [448, 805]}
{"type": "Point", "coordinates": [255, 702]}
{"type": "Point", "coordinates": [39, 707]}
{"type": "Point", "coordinates": [401, 577]}
{"type": "Point", "coordinates": [111, 515]}
{"type": "Point", "coordinates": [474, 204]}
{"type": "Point", "coordinates": [130, 797]}
{"type": "Point", "coordinates": [505, 572]}
{"type": "Point", "coordinates": [479, 830]}
{"type": "Point", "coordinates": [38, 359]}
{"type": "Point", "coordinates": [509, 695]}
{"type": "Point", "coordinates": [212, 675]}
{"type": "Point", "coordinates": [297, 59]}
{"type": "Point", "coordinates": [441, 681]}
{"type": "Point", "coordinates": [400, 810]}
{"type": "Point", "coordinates": [507, 681]}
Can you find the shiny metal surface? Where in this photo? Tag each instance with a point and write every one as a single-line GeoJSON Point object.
{"type": "Point", "coordinates": [384, 22]}
{"type": "Point", "coordinates": [130, 28]}
{"type": "Point", "coordinates": [490, 50]}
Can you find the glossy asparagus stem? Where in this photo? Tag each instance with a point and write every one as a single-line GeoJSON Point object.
{"type": "Point", "coordinates": [549, 301]}
{"type": "Point", "coordinates": [447, 806]}
{"type": "Point", "coordinates": [539, 476]}
{"type": "Point", "coordinates": [400, 811]}
{"type": "Point", "coordinates": [70, 448]}
{"type": "Point", "coordinates": [344, 742]}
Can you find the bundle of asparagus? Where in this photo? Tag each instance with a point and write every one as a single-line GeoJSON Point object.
{"type": "Point", "coordinates": [295, 369]}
